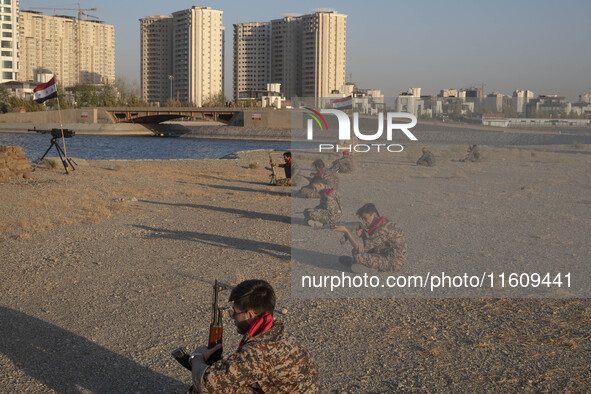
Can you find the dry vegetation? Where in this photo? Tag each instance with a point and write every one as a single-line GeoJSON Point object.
{"type": "Point", "coordinates": [110, 266]}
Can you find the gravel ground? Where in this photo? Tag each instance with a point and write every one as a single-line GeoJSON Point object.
{"type": "Point", "coordinates": [105, 271]}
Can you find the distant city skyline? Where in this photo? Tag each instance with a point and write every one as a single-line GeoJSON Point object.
{"type": "Point", "coordinates": [542, 46]}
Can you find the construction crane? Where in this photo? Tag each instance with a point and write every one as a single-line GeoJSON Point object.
{"type": "Point", "coordinates": [81, 11]}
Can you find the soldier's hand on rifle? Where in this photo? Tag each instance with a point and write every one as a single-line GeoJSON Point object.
{"type": "Point", "coordinates": [359, 232]}
{"type": "Point", "coordinates": [207, 353]}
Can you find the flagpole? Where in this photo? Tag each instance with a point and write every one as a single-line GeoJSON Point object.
{"type": "Point", "coordinates": [62, 128]}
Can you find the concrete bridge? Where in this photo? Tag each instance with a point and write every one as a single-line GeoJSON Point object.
{"type": "Point", "coordinates": [155, 115]}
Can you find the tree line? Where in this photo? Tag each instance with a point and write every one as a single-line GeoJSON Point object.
{"type": "Point", "coordinates": [118, 94]}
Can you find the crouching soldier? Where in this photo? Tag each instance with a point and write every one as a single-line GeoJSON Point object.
{"type": "Point", "coordinates": [473, 154]}
{"type": "Point", "coordinates": [329, 175]}
{"type": "Point", "coordinates": [329, 210]}
{"type": "Point", "coordinates": [427, 159]}
{"type": "Point", "coordinates": [344, 165]}
{"type": "Point", "coordinates": [384, 246]}
{"type": "Point", "coordinates": [268, 359]}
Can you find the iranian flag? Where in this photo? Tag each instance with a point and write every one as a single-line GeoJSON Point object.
{"type": "Point", "coordinates": [45, 91]}
{"type": "Point", "coordinates": [344, 103]}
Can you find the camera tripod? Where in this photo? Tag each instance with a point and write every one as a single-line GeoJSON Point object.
{"type": "Point", "coordinates": [65, 160]}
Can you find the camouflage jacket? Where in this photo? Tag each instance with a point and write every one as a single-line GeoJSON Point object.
{"type": "Point", "coordinates": [330, 201]}
{"type": "Point", "coordinates": [474, 155]}
{"type": "Point", "coordinates": [427, 159]}
{"type": "Point", "coordinates": [343, 165]}
{"type": "Point", "coordinates": [330, 177]}
{"type": "Point", "coordinates": [271, 362]}
{"type": "Point", "coordinates": [386, 240]}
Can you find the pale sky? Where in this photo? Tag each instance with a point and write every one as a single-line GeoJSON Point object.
{"type": "Point", "coordinates": [543, 46]}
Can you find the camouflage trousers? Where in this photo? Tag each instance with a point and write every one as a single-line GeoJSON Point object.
{"type": "Point", "coordinates": [282, 182]}
{"type": "Point", "coordinates": [321, 215]}
{"type": "Point", "coordinates": [308, 192]}
{"type": "Point", "coordinates": [379, 261]}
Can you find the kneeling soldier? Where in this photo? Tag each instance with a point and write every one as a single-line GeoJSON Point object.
{"type": "Point", "coordinates": [427, 159]}
{"type": "Point", "coordinates": [329, 210]}
{"type": "Point", "coordinates": [268, 360]}
{"type": "Point", "coordinates": [384, 246]}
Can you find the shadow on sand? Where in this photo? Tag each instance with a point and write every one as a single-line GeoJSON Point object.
{"type": "Point", "coordinates": [278, 251]}
{"type": "Point", "coordinates": [66, 362]}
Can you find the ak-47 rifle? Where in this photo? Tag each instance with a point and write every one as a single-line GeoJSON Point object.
{"type": "Point", "coordinates": [216, 330]}
{"type": "Point", "coordinates": [273, 180]}
{"type": "Point", "coordinates": [344, 240]}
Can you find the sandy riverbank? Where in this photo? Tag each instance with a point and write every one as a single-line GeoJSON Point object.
{"type": "Point", "coordinates": [106, 270]}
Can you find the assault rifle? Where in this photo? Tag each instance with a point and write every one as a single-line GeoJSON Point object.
{"type": "Point", "coordinates": [273, 180]}
{"type": "Point", "coordinates": [216, 329]}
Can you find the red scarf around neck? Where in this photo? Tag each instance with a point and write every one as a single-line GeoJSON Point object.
{"type": "Point", "coordinates": [262, 324]}
{"type": "Point", "coordinates": [373, 228]}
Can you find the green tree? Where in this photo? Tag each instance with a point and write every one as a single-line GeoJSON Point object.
{"type": "Point", "coordinates": [28, 105]}
{"type": "Point", "coordinates": [134, 101]}
{"type": "Point", "coordinates": [85, 96]}
{"type": "Point", "coordinates": [107, 96]}
{"type": "Point", "coordinates": [216, 100]}
{"type": "Point", "coordinates": [4, 98]}
{"type": "Point", "coordinates": [172, 103]}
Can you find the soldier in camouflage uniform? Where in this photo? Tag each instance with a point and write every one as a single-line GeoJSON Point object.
{"type": "Point", "coordinates": [330, 177]}
{"type": "Point", "coordinates": [343, 165]}
{"type": "Point", "coordinates": [473, 154]}
{"type": "Point", "coordinates": [384, 246]}
{"type": "Point", "coordinates": [427, 159]}
{"type": "Point", "coordinates": [329, 210]}
{"type": "Point", "coordinates": [268, 360]}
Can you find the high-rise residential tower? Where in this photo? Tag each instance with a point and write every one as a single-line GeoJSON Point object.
{"type": "Point", "coordinates": [307, 54]}
{"type": "Point", "coordinates": [252, 57]}
{"type": "Point", "coordinates": [76, 51]}
{"type": "Point", "coordinates": [192, 65]}
{"type": "Point", "coordinates": [156, 58]}
{"type": "Point", "coordinates": [9, 40]}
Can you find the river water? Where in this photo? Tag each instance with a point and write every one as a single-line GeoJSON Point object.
{"type": "Point", "coordinates": [134, 148]}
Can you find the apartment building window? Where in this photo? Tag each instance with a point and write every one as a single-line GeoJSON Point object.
{"type": "Point", "coordinates": [6, 75]}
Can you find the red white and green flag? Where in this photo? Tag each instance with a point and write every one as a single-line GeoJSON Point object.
{"type": "Point", "coordinates": [45, 91]}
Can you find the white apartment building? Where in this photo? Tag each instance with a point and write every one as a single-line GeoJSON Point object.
{"type": "Point", "coordinates": [75, 51]}
{"type": "Point", "coordinates": [323, 53]}
{"type": "Point", "coordinates": [520, 100]}
{"type": "Point", "coordinates": [307, 54]}
{"type": "Point", "coordinates": [156, 58]}
{"type": "Point", "coordinates": [194, 64]}
{"type": "Point", "coordinates": [252, 57]}
{"type": "Point", "coordinates": [9, 42]}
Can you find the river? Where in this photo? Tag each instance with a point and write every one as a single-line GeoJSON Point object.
{"type": "Point", "coordinates": [90, 147]}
